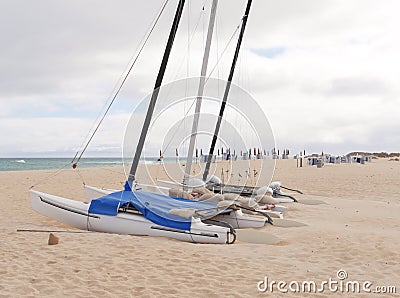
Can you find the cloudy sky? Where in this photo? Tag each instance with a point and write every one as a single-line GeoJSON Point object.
{"type": "Point", "coordinates": [324, 72]}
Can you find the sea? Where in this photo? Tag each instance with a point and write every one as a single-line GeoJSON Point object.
{"type": "Point", "coordinates": [27, 164]}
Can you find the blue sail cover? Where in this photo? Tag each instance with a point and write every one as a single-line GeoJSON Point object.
{"type": "Point", "coordinates": [154, 207]}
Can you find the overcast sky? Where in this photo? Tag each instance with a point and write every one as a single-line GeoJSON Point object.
{"type": "Point", "coordinates": [324, 72]}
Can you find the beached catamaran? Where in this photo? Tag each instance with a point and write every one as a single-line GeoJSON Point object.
{"type": "Point", "coordinates": [274, 189]}
{"type": "Point", "coordinates": [234, 216]}
{"type": "Point", "coordinates": [138, 212]}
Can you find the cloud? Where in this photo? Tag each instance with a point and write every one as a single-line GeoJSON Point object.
{"type": "Point", "coordinates": [60, 137]}
{"type": "Point", "coordinates": [324, 75]}
{"type": "Point", "coordinates": [357, 86]}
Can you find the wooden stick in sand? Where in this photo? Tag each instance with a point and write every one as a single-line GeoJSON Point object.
{"type": "Point", "coordinates": [50, 231]}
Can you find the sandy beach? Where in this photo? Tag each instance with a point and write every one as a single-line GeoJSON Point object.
{"type": "Point", "coordinates": [357, 230]}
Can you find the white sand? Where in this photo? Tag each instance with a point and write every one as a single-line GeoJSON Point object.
{"type": "Point", "coordinates": [358, 230]}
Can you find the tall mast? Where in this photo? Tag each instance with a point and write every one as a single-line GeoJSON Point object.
{"type": "Point", "coordinates": [226, 93]}
{"type": "Point", "coordinates": [200, 93]}
{"type": "Point", "coordinates": [156, 90]}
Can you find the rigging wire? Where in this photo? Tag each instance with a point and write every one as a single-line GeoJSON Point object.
{"type": "Point", "coordinates": [186, 58]}
{"type": "Point", "coordinates": [77, 158]}
{"type": "Point", "coordinates": [187, 67]}
{"type": "Point", "coordinates": [50, 176]}
{"type": "Point", "coordinates": [194, 100]}
{"type": "Point", "coordinates": [223, 52]}
{"type": "Point", "coordinates": [191, 40]}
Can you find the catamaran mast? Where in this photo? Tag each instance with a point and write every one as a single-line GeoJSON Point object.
{"type": "Point", "coordinates": [200, 94]}
{"type": "Point", "coordinates": [227, 88]}
{"type": "Point", "coordinates": [156, 90]}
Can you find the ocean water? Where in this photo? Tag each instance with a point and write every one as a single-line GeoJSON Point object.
{"type": "Point", "coordinates": [26, 164]}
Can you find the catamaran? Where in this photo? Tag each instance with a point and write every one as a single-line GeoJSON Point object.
{"type": "Point", "coordinates": [235, 215]}
{"type": "Point", "coordinates": [138, 212]}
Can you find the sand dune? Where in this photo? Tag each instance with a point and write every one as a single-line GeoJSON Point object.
{"type": "Point", "coordinates": [357, 230]}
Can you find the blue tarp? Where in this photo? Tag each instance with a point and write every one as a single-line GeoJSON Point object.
{"type": "Point", "coordinates": [109, 204]}
{"type": "Point", "coordinates": [154, 207]}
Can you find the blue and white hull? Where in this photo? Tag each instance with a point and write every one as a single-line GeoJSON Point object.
{"type": "Point", "coordinates": [76, 214]}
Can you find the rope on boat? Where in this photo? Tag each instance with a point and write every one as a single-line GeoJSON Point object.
{"type": "Point", "coordinates": [77, 159]}
{"type": "Point", "coordinates": [80, 175]}
{"type": "Point", "coordinates": [50, 175]}
{"type": "Point", "coordinates": [286, 196]}
{"type": "Point", "coordinates": [223, 52]}
{"type": "Point", "coordinates": [296, 190]}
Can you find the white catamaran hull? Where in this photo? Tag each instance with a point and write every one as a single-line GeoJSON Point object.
{"type": "Point", "coordinates": [75, 214]}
